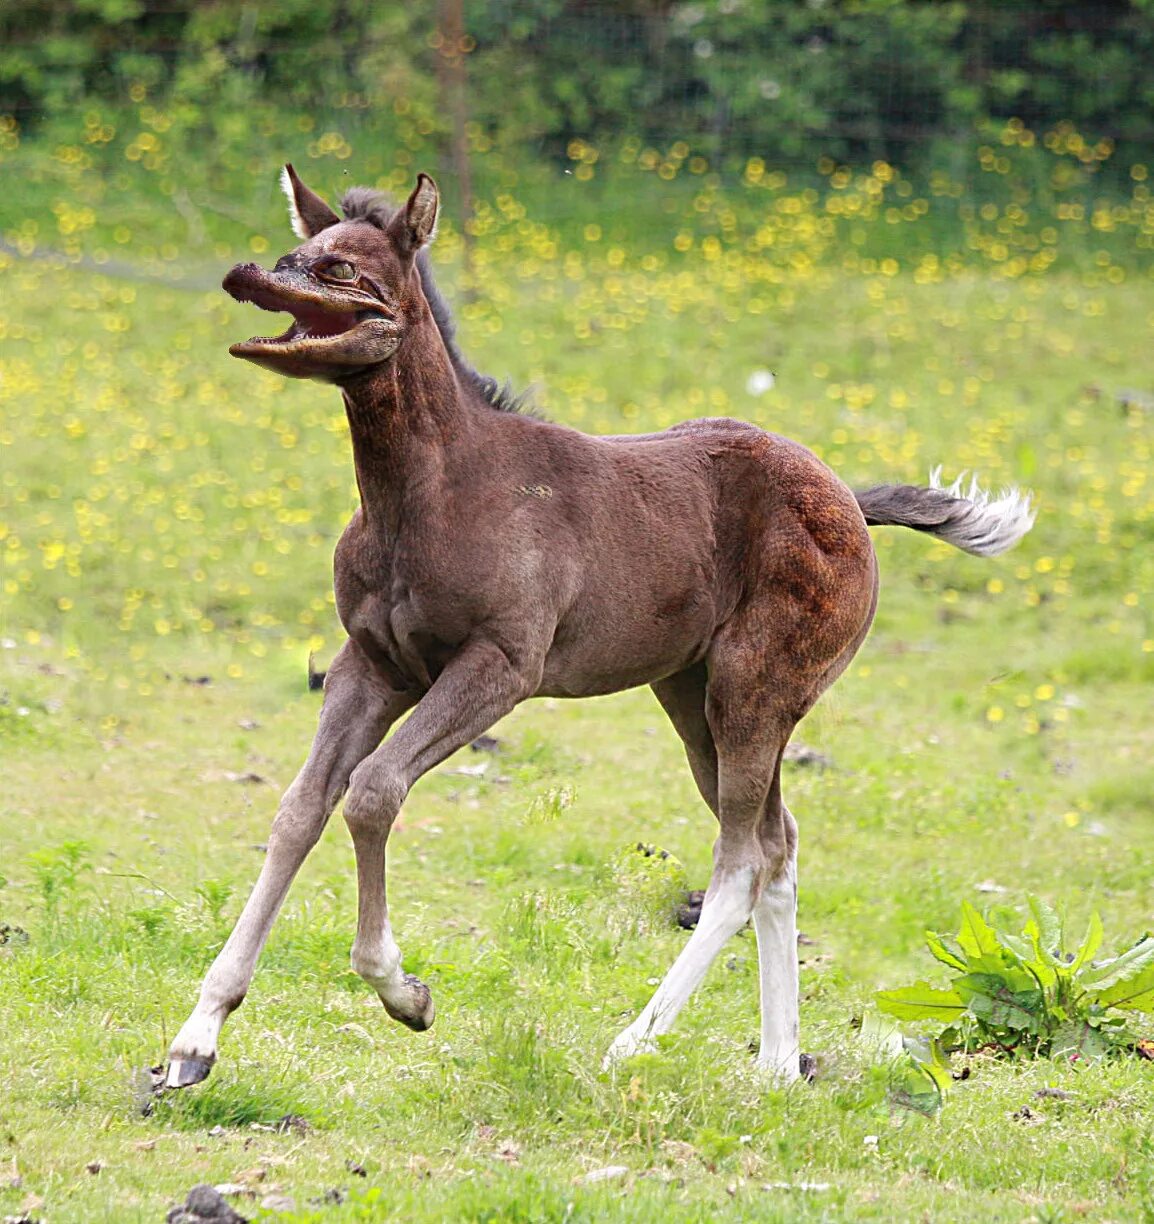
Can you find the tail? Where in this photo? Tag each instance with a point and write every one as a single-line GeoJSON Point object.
{"type": "Point", "coordinates": [969, 520]}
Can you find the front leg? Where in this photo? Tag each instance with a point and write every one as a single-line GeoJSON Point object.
{"type": "Point", "coordinates": [358, 709]}
{"type": "Point", "coordinates": [479, 686]}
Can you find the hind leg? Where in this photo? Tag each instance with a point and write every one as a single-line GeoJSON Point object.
{"type": "Point", "coordinates": [765, 669]}
{"type": "Point", "coordinates": [682, 698]}
{"type": "Point", "coordinates": [728, 903]}
{"type": "Point", "coordinates": [775, 923]}
{"type": "Point", "coordinates": [735, 783]}
{"type": "Point", "coordinates": [751, 724]}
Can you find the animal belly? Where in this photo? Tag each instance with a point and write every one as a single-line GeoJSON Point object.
{"type": "Point", "coordinates": [603, 652]}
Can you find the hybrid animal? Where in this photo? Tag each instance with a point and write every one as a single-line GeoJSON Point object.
{"type": "Point", "coordinates": [496, 557]}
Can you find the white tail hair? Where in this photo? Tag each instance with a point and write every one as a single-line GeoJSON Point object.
{"type": "Point", "coordinates": [992, 525]}
{"type": "Point", "coordinates": [967, 517]}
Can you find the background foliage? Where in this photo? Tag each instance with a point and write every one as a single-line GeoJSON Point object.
{"type": "Point", "coordinates": [901, 80]}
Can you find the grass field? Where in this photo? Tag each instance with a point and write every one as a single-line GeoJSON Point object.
{"type": "Point", "coordinates": [167, 518]}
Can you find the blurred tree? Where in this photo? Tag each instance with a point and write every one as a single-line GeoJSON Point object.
{"type": "Point", "coordinates": [852, 79]}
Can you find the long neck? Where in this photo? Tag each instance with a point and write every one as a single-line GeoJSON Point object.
{"type": "Point", "coordinates": [405, 420]}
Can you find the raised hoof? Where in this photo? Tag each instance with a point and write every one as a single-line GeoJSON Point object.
{"type": "Point", "coordinates": [419, 1012]}
{"type": "Point", "coordinates": [184, 1072]}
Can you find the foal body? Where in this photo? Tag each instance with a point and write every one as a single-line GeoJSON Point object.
{"type": "Point", "coordinates": [497, 557]}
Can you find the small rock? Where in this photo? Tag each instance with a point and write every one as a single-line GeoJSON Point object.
{"type": "Point", "coordinates": [278, 1202]}
{"type": "Point", "coordinates": [356, 1168]}
{"type": "Point", "coordinates": [608, 1173]}
{"type": "Point", "coordinates": [94, 1166]}
{"type": "Point", "coordinates": [357, 1030]}
{"type": "Point", "coordinates": [470, 771]}
{"type": "Point", "coordinates": [486, 743]}
{"type": "Point", "coordinates": [806, 757]}
{"type": "Point", "coordinates": [234, 1190]}
{"type": "Point", "coordinates": [509, 1150]}
{"type": "Point", "coordinates": [204, 1205]}
{"type": "Point", "coordinates": [1127, 398]}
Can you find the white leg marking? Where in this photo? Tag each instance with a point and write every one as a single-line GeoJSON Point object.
{"type": "Point", "coordinates": [369, 813]}
{"type": "Point", "coordinates": [227, 980]}
{"type": "Point", "coordinates": [378, 961]}
{"type": "Point", "coordinates": [725, 912]}
{"type": "Point", "coordinates": [775, 921]}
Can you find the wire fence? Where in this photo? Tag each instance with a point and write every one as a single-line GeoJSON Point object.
{"type": "Point", "coordinates": [905, 81]}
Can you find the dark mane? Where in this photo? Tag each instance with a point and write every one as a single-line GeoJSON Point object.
{"type": "Point", "coordinates": [365, 204]}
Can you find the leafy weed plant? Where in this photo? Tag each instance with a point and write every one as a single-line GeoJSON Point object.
{"type": "Point", "coordinates": [1026, 994]}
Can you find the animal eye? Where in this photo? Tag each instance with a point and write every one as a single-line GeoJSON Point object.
{"type": "Point", "coordinates": [340, 271]}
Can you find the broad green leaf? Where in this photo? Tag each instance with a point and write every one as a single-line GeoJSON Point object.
{"type": "Point", "coordinates": [1049, 925]}
{"type": "Point", "coordinates": [1024, 952]}
{"type": "Point", "coordinates": [1090, 944]}
{"type": "Point", "coordinates": [1002, 964]}
{"type": "Point", "coordinates": [1080, 1040]}
{"type": "Point", "coordinates": [1122, 968]}
{"type": "Point", "coordinates": [921, 1001]}
{"type": "Point", "coordinates": [1041, 956]}
{"type": "Point", "coordinates": [1136, 991]}
{"type": "Point", "coordinates": [929, 1054]}
{"type": "Point", "coordinates": [914, 1086]}
{"type": "Point", "coordinates": [976, 938]}
{"type": "Point", "coordinates": [880, 1036]}
{"type": "Point", "coordinates": [1045, 930]}
{"type": "Point", "coordinates": [994, 1000]}
{"type": "Point", "coordinates": [940, 950]}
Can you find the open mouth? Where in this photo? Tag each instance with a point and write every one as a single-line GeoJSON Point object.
{"type": "Point", "coordinates": [327, 328]}
{"type": "Point", "coordinates": [317, 324]}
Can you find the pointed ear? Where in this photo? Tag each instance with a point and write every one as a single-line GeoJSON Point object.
{"type": "Point", "coordinates": [416, 223]}
{"type": "Point", "coordinates": [307, 211]}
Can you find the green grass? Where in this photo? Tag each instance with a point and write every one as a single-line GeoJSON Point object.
{"type": "Point", "coordinates": [169, 515]}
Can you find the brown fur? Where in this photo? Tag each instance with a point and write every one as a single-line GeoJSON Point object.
{"type": "Point", "coordinates": [497, 557]}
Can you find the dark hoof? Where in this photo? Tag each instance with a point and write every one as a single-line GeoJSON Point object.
{"type": "Point", "coordinates": [420, 1014]}
{"type": "Point", "coordinates": [184, 1072]}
